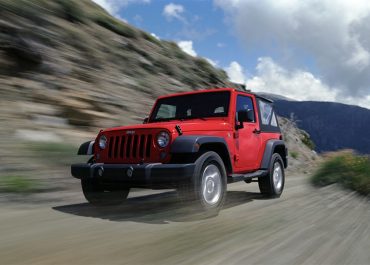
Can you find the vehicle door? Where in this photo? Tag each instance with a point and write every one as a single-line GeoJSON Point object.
{"type": "Point", "coordinates": [247, 136]}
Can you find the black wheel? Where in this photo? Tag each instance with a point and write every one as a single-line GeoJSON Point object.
{"type": "Point", "coordinates": [272, 185]}
{"type": "Point", "coordinates": [96, 194]}
{"type": "Point", "coordinates": [208, 187]}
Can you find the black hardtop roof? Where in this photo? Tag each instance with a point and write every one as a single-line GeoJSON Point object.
{"type": "Point", "coordinates": [256, 95]}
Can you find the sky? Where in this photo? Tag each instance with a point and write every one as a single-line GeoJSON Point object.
{"type": "Point", "coordinates": [305, 50]}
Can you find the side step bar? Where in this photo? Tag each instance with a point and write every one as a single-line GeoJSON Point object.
{"type": "Point", "coordinates": [246, 177]}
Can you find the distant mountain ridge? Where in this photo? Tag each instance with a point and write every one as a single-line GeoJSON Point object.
{"type": "Point", "coordinates": [332, 126]}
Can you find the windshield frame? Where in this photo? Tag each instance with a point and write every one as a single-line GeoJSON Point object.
{"type": "Point", "coordinates": [163, 99]}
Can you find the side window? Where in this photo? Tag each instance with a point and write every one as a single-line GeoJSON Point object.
{"type": "Point", "coordinates": [268, 117]}
{"type": "Point", "coordinates": [244, 103]}
{"type": "Point", "coordinates": [273, 120]}
{"type": "Point", "coordinates": [266, 112]}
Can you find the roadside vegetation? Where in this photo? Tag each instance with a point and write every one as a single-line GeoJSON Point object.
{"type": "Point", "coordinates": [18, 184]}
{"type": "Point", "coordinates": [350, 170]}
{"type": "Point", "coordinates": [45, 159]}
{"type": "Point", "coordinates": [294, 154]}
{"type": "Point", "coordinates": [306, 139]}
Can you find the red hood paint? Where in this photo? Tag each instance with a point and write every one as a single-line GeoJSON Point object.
{"type": "Point", "coordinates": [209, 124]}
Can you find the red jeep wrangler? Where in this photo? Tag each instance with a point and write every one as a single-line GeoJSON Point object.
{"type": "Point", "coordinates": [196, 142]}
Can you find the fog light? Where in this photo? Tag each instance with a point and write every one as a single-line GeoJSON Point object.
{"type": "Point", "coordinates": [129, 172]}
{"type": "Point", "coordinates": [100, 171]}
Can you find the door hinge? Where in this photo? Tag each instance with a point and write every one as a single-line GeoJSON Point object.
{"type": "Point", "coordinates": [236, 157]}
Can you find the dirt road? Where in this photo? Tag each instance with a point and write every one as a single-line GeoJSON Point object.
{"type": "Point", "coordinates": [304, 226]}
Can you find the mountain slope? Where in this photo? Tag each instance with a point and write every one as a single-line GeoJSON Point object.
{"type": "Point", "coordinates": [83, 61]}
{"type": "Point", "coordinates": [332, 126]}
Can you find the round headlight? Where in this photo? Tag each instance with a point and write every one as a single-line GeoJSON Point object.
{"type": "Point", "coordinates": [163, 139]}
{"type": "Point", "coordinates": [102, 142]}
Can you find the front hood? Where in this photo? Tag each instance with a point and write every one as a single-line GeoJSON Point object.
{"type": "Point", "coordinates": [186, 126]}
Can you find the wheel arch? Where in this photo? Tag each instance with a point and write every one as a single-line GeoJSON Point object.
{"type": "Point", "coordinates": [86, 148]}
{"type": "Point", "coordinates": [274, 146]}
{"type": "Point", "coordinates": [191, 147]}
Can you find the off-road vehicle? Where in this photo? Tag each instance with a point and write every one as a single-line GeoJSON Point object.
{"type": "Point", "coordinates": [195, 142]}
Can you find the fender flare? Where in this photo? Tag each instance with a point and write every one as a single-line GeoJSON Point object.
{"type": "Point", "coordinates": [86, 148]}
{"type": "Point", "coordinates": [191, 144]}
{"type": "Point", "coordinates": [271, 145]}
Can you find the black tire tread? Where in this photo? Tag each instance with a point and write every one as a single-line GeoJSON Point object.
{"type": "Point", "coordinates": [266, 183]}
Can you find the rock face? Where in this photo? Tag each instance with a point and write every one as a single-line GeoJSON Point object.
{"type": "Point", "coordinates": [74, 55]}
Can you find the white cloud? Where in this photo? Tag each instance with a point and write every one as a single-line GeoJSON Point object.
{"type": "Point", "coordinates": [297, 84]}
{"type": "Point", "coordinates": [187, 46]}
{"type": "Point", "coordinates": [236, 73]}
{"type": "Point", "coordinates": [212, 62]}
{"type": "Point", "coordinates": [172, 10]}
{"type": "Point", "coordinates": [333, 35]}
{"type": "Point", "coordinates": [155, 36]}
{"type": "Point", "coordinates": [113, 6]}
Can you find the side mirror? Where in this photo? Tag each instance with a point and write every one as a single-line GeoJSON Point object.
{"type": "Point", "coordinates": [145, 120]}
{"type": "Point", "coordinates": [245, 116]}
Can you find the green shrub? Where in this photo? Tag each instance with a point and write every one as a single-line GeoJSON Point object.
{"type": "Point", "coordinates": [346, 168]}
{"type": "Point", "coordinates": [294, 154]}
{"type": "Point", "coordinates": [208, 72]}
{"type": "Point", "coordinates": [16, 183]}
{"type": "Point", "coordinates": [59, 154]}
{"type": "Point", "coordinates": [150, 38]}
{"type": "Point", "coordinates": [115, 25]}
{"type": "Point", "coordinates": [306, 140]}
{"type": "Point", "coordinates": [72, 10]}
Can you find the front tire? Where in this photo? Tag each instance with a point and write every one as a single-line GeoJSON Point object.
{"type": "Point", "coordinates": [209, 184]}
{"type": "Point", "coordinates": [96, 194]}
{"type": "Point", "coordinates": [272, 185]}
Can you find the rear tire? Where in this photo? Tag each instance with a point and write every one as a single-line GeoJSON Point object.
{"type": "Point", "coordinates": [208, 186]}
{"type": "Point", "coordinates": [272, 185]}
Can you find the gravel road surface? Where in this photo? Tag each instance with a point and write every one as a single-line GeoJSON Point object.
{"type": "Point", "coordinates": [305, 226]}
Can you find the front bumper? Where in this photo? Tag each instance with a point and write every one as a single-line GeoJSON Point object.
{"type": "Point", "coordinates": [136, 175]}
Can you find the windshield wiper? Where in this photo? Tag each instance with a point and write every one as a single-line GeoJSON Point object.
{"type": "Point", "coordinates": [193, 117]}
{"type": "Point", "coordinates": [180, 118]}
{"type": "Point", "coordinates": [166, 119]}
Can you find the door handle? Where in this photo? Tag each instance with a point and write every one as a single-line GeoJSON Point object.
{"type": "Point", "coordinates": [256, 131]}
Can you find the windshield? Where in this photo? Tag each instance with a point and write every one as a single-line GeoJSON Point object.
{"type": "Point", "coordinates": [202, 105]}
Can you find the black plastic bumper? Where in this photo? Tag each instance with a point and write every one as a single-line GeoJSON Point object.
{"type": "Point", "coordinates": [134, 175]}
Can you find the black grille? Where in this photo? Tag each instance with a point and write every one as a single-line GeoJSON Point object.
{"type": "Point", "coordinates": [130, 146]}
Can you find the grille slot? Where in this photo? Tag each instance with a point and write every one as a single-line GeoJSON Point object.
{"type": "Point", "coordinates": [122, 146]}
{"type": "Point", "coordinates": [148, 145]}
{"type": "Point", "coordinates": [111, 140]}
{"type": "Point", "coordinates": [116, 146]}
{"type": "Point", "coordinates": [130, 146]}
{"type": "Point", "coordinates": [141, 146]}
{"type": "Point", "coordinates": [134, 146]}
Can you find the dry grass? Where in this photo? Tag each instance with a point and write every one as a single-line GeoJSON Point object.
{"type": "Point", "coordinates": [346, 168]}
